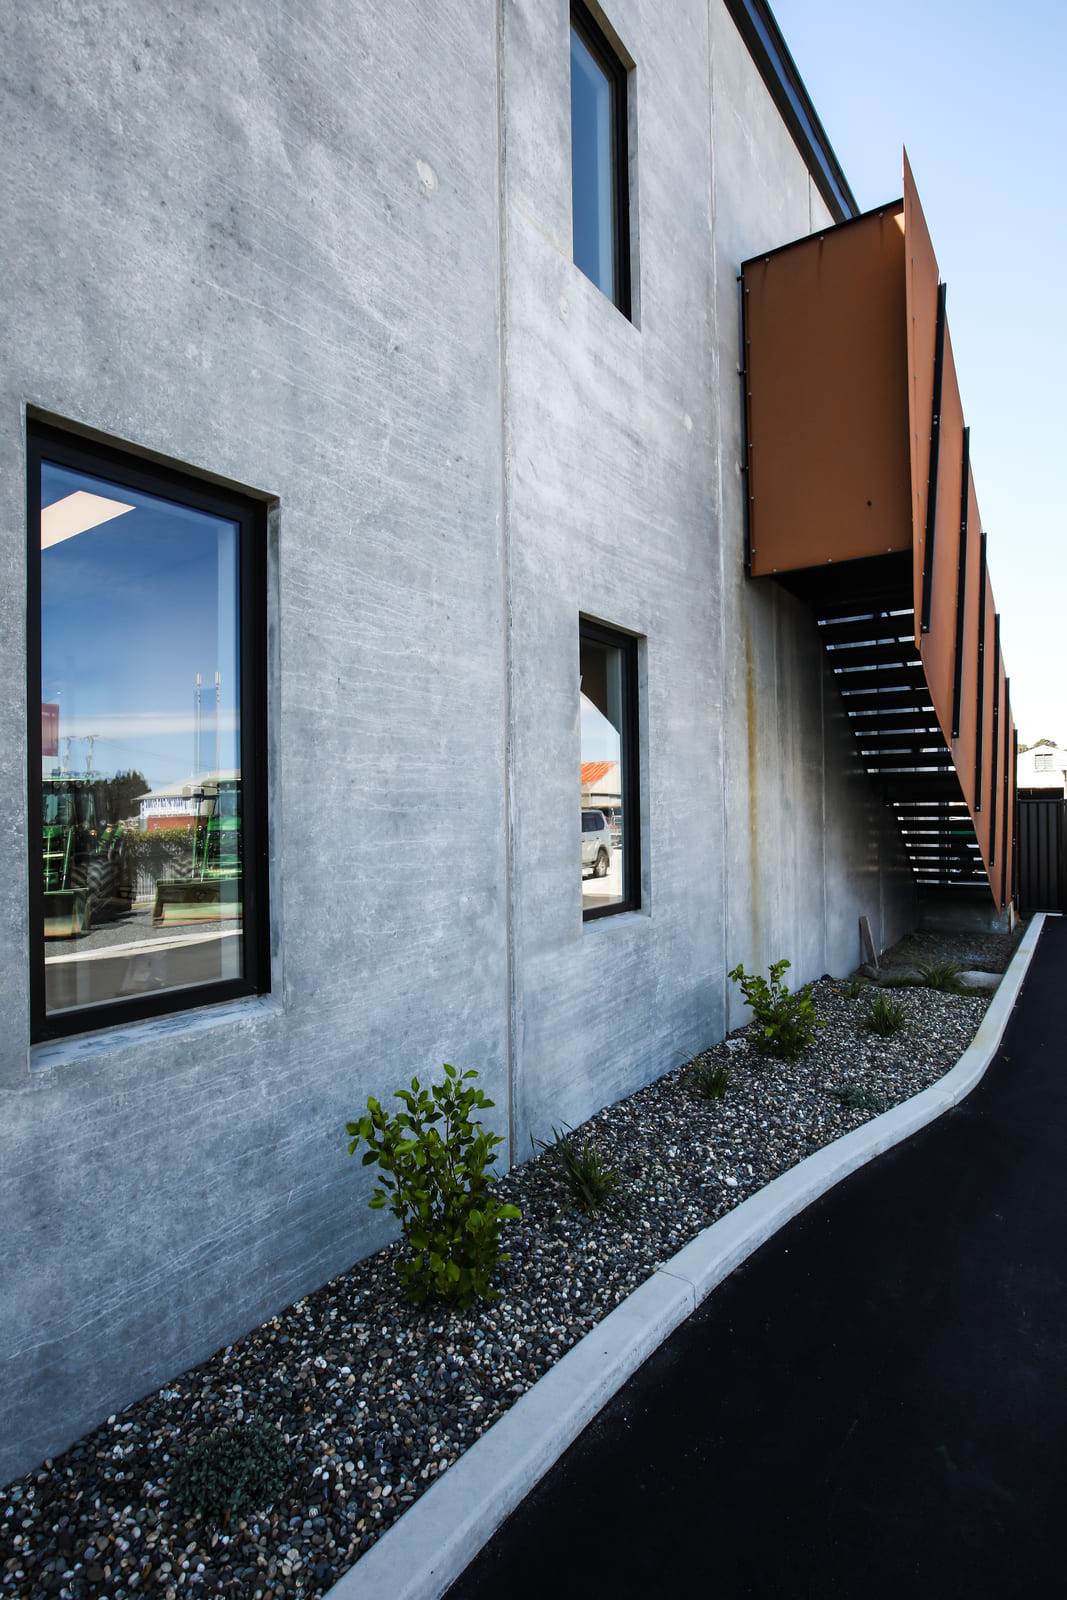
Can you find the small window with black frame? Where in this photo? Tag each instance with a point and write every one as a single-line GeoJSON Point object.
{"type": "Point", "coordinates": [611, 860]}
{"type": "Point", "coordinates": [600, 183]}
{"type": "Point", "coordinates": [147, 795]}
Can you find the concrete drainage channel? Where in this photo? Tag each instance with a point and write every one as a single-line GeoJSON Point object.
{"type": "Point", "coordinates": [428, 1548]}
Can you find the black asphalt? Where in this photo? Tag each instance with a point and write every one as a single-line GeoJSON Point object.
{"type": "Point", "coordinates": [874, 1405]}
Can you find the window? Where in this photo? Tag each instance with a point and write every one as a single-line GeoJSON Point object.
{"type": "Point", "coordinates": [611, 860]}
{"type": "Point", "coordinates": [599, 173]}
{"type": "Point", "coordinates": [147, 775]}
{"type": "Point", "coordinates": [1043, 763]}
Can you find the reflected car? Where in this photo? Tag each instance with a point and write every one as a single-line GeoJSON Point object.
{"type": "Point", "coordinates": [613, 814]}
{"type": "Point", "coordinates": [596, 843]}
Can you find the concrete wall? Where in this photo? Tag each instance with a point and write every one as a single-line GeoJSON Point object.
{"type": "Point", "coordinates": [287, 250]}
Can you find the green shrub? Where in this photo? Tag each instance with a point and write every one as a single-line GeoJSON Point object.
{"type": "Point", "coordinates": [940, 975]}
{"type": "Point", "coordinates": [589, 1184]}
{"type": "Point", "coordinates": [708, 1079]}
{"type": "Point", "coordinates": [885, 1016]}
{"type": "Point", "coordinates": [855, 985]}
{"type": "Point", "coordinates": [788, 1020]}
{"type": "Point", "coordinates": [434, 1158]}
{"type": "Point", "coordinates": [232, 1472]}
{"type": "Point", "coordinates": [856, 1098]}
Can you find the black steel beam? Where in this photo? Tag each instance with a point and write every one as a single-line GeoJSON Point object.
{"type": "Point", "coordinates": [961, 587]}
{"type": "Point", "coordinates": [935, 452]}
{"type": "Point", "coordinates": [868, 630]}
{"type": "Point", "coordinates": [860, 701]}
{"type": "Point", "coordinates": [979, 732]}
{"type": "Point", "coordinates": [857, 657]}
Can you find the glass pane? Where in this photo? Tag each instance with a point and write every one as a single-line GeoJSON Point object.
{"type": "Point", "coordinates": [604, 755]}
{"type": "Point", "coordinates": [592, 166]}
{"type": "Point", "coordinates": [141, 844]}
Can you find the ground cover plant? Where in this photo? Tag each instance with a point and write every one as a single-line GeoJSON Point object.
{"type": "Point", "coordinates": [788, 1020]}
{"type": "Point", "coordinates": [590, 1184]}
{"type": "Point", "coordinates": [231, 1471]}
{"type": "Point", "coordinates": [435, 1158]}
{"type": "Point", "coordinates": [709, 1080]}
{"type": "Point", "coordinates": [885, 1016]}
{"type": "Point", "coordinates": [940, 975]}
{"type": "Point", "coordinates": [857, 1097]}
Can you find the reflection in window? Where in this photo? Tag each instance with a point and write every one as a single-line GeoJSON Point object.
{"type": "Point", "coordinates": [142, 852]}
{"type": "Point", "coordinates": [610, 856]}
{"type": "Point", "coordinates": [599, 181]}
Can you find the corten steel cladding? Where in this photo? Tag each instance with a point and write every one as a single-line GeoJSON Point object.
{"type": "Point", "coordinates": [856, 449]}
{"type": "Point", "coordinates": [826, 395]}
{"type": "Point", "coordinates": [937, 646]}
{"type": "Point", "coordinates": [964, 746]}
{"type": "Point", "coordinates": [921, 285]}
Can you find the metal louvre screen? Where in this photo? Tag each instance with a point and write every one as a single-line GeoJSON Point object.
{"type": "Point", "coordinates": [1042, 855]}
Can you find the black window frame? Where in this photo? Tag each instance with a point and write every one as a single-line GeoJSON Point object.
{"type": "Point", "coordinates": [596, 42]}
{"type": "Point", "coordinates": [47, 442]}
{"type": "Point", "coordinates": [630, 786]}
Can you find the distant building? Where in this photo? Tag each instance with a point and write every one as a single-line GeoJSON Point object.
{"type": "Point", "coordinates": [1043, 769]}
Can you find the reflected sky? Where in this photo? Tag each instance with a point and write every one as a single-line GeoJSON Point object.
{"type": "Point", "coordinates": [131, 610]}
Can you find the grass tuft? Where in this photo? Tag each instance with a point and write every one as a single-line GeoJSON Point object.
{"type": "Point", "coordinates": [885, 1016]}
{"type": "Point", "coordinates": [589, 1183]}
{"type": "Point", "coordinates": [942, 975]}
{"type": "Point", "coordinates": [708, 1079]}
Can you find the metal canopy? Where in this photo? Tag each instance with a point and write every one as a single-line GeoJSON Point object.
{"type": "Point", "coordinates": [860, 500]}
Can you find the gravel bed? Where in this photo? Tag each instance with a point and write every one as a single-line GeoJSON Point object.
{"type": "Point", "coordinates": [376, 1398]}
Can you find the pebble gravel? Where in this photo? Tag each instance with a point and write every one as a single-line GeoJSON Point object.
{"type": "Point", "coordinates": [376, 1398]}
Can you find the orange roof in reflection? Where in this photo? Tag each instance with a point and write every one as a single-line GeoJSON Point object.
{"type": "Point", "coordinates": [593, 771]}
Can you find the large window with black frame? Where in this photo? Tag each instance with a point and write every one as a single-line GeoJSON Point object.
{"type": "Point", "coordinates": [147, 768]}
{"type": "Point", "coordinates": [600, 181]}
{"type": "Point", "coordinates": [611, 857]}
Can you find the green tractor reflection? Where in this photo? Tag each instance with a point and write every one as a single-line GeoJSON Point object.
{"type": "Point", "coordinates": [88, 874]}
{"type": "Point", "coordinates": [213, 889]}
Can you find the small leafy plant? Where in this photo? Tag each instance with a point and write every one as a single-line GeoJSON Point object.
{"type": "Point", "coordinates": [708, 1079]}
{"type": "Point", "coordinates": [434, 1158]}
{"type": "Point", "coordinates": [854, 1097]}
{"type": "Point", "coordinates": [940, 975]}
{"type": "Point", "coordinates": [589, 1183]}
{"type": "Point", "coordinates": [233, 1471]}
{"type": "Point", "coordinates": [855, 985]}
{"type": "Point", "coordinates": [885, 1016]}
{"type": "Point", "coordinates": [788, 1020]}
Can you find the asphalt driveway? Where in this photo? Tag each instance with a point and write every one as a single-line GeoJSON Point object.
{"type": "Point", "coordinates": [874, 1405]}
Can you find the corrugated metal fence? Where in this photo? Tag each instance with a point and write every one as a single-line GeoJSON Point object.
{"type": "Point", "coordinates": [1043, 855]}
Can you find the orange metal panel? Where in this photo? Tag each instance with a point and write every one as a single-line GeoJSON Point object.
{"type": "Point", "coordinates": [963, 748]}
{"type": "Point", "coordinates": [921, 280]}
{"type": "Point", "coordinates": [826, 366]}
{"type": "Point", "coordinates": [938, 647]}
{"type": "Point", "coordinates": [979, 800]}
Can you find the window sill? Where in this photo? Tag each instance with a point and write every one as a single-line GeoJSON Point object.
{"type": "Point", "coordinates": [616, 919]}
{"type": "Point", "coordinates": [79, 1047]}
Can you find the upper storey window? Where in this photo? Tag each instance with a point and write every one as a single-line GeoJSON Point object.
{"type": "Point", "coordinates": [599, 175]}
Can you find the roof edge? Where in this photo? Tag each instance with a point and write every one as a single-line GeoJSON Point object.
{"type": "Point", "coordinates": [763, 38]}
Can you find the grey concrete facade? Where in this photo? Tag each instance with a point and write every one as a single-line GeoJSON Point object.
{"type": "Point", "coordinates": [326, 255]}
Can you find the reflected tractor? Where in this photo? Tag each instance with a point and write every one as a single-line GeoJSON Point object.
{"type": "Point", "coordinates": [212, 890]}
{"type": "Point", "coordinates": [88, 875]}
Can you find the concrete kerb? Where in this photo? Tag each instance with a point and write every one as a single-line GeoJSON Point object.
{"type": "Point", "coordinates": [430, 1545]}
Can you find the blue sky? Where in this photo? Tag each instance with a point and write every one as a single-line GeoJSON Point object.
{"type": "Point", "coordinates": [976, 94]}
